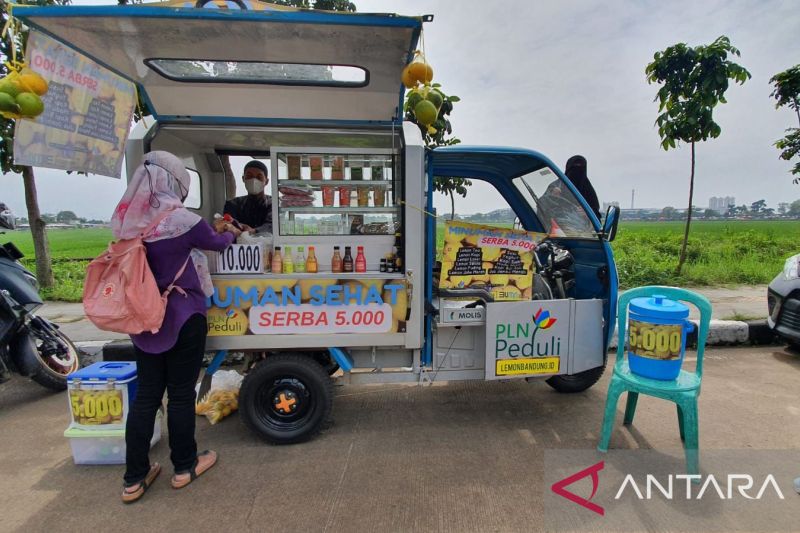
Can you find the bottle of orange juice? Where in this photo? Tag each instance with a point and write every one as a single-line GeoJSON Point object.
{"type": "Point", "coordinates": [311, 262]}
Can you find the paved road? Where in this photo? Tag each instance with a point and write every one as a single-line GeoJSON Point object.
{"type": "Point", "coordinates": [748, 302]}
{"type": "Point", "coordinates": [458, 457]}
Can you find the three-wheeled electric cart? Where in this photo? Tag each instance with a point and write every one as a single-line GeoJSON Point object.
{"type": "Point", "coordinates": [317, 97]}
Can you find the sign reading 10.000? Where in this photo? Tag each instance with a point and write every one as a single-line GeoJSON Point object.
{"type": "Point", "coordinates": [240, 259]}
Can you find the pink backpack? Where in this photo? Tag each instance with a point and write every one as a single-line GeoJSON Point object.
{"type": "Point", "coordinates": [120, 293]}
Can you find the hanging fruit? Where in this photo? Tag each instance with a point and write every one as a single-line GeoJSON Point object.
{"type": "Point", "coordinates": [418, 72]}
{"type": "Point", "coordinates": [20, 92]}
{"type": "Point", "coordinates": [422, 101]}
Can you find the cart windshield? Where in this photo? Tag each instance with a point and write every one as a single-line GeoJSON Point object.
{"type": "Point", "coordinates": [559, 211]}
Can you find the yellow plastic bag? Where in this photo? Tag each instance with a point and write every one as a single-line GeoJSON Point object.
{"type": "Point", "coordinates": [222, 398]}
{"type": "Point", "coordinates": [217, 405]}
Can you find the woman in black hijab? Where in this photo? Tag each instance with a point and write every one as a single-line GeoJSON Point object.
{"type": "Point", "coordinates": [576, 172]}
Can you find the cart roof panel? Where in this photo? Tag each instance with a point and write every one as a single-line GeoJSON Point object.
{"type": "Point", "coordinates": [213, 65]}
{"type": "Point", "coordinates": [487, 162]}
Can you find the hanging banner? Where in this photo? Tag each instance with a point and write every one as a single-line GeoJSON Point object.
{"type": "Point", "coordinates": [87, 113]}
{"type": "Point", "coordinates": [311, 305]}
{"type": "Point", "coordinates": [500, 259]}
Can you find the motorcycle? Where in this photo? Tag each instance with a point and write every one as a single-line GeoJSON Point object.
{"type": "Point", "coordinates": [29, 344]}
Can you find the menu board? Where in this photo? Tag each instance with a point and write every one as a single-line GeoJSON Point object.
{"type": "Point", "coordinates": [87, 113]}
{"type": "Point", "coordinates": [489, 257]}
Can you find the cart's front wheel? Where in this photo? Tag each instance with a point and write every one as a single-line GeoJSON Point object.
{"type": "Point", "coordinates": [577, 382]}
{"type": "Point", "coordinates": [286, 398]}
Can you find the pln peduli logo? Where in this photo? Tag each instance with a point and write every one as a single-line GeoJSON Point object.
{"type": "Point", "coordinates": [230, 321]}
{"type": "Point", "coordinates": [543, 320]}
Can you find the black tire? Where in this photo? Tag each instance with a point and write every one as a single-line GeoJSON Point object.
{"type": "Point", "coordinates": [576, 382]}
{"type": "Point", "coordinates": [327, 362]}
{"type": "Point", "coordinates": [52, 363]}
{"type": "Point", "coordinates": [280, 379]}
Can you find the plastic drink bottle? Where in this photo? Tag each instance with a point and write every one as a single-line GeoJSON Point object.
{"type": "Point", "coordinates": [361, 261]}
{"type": "Point", "coordinates": [277, 261]}
{"type": "Point", "coordinates": [311, 262]}
{"type": "Point", "coordinates": [300, 260]}
{"type": "Point", "coordinates": [288, 262]}
{"type": "Point", "coordinates": [347, 262]}
{"type": "Point", "coordinates": [336, 260]}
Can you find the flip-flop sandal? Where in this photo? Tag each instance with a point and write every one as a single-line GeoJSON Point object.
{"type": "Point", "coordinates": [141, 486]}
{"type": "Point", "coordinates": [194, 472]}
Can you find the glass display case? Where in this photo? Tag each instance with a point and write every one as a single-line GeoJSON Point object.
{"type": "Point", "coordinates": [348, 198]}
{"type": "Point", "coordinates": [335, 192]}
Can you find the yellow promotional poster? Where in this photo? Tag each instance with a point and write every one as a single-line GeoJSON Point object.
{"type": "Point", "coordinates": [655, 341]}
{"type": "Point", "coordinates": [96, 407]}
{"type": "Point", "coordinates": [263, 306]}
{"type": "Point", "coordinates": [500, 259]}
{"type": "Point", "coordinates": [87, 113]}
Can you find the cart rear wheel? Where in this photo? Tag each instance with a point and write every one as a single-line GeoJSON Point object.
{"type": "Point", "coordinates": [577, 382]}
{"type": "Point", "coordinates": [286, 398]}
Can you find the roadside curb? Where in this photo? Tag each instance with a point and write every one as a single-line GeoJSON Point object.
{"type": "Point", "coordinates": [721, 333]}
{"type": "Point", "coordinates": [122, 350]}
{"type": "Point", "coordinates": [729, 333]}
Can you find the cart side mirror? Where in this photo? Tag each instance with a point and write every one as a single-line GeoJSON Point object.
{"type": "Point", "coordinates": [610, 223]}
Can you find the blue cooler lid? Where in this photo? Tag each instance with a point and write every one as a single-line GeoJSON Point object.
{"type": "Point", "coordinates": [105, 370]}
{"type": "Point", "coordinates": [658, 306]}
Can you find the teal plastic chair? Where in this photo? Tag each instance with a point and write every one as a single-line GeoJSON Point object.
{"type": "Point", "coordinates": [683, 391]}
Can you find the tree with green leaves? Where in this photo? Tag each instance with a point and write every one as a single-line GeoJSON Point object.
{"type": "Point", "coordinates": [65, 217]}
{"type": "Point", "coordinates": [787, 89]}
{"type": "Point", "coordinates": [787, 93]}
{"type": "Point", "coordinates": [443, 137]}
{"type": "Point", "coordinates": [693, 81]}
{"type": "Point", "coordinates": [757, 207]}
{"type": "Point", "coordinates": [794, 209]}
{"type": "Point", "coordinates": [44, 271]}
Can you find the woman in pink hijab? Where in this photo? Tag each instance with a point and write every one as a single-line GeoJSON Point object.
{"type": "Point", "coordinates": [169, 359]}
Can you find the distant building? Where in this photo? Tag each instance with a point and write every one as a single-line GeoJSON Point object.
{"type": "Point", "coordinates": [606, 205]}
{"type": "Point", "coordinates": [720, 204]}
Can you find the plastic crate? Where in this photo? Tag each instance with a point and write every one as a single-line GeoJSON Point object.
{"type": "Point", "coordinates": [101, 394]}
{"type": "Point", "coordinates": [100, 446]}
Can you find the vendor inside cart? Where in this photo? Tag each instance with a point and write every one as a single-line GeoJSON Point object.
{"type": "Point", "coordinates": [253, 210]}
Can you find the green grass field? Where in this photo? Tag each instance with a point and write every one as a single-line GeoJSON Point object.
{"type": "Point", "coordinates": [720, 253]}
{"type": "Point", "coordinates": [71, 251]}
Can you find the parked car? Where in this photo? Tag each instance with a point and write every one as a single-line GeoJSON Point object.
{"type": "Point", "coordinates": [783, 300]}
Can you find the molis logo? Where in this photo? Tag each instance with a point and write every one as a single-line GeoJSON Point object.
{"type": "Point", "coordinates": [519, 339]}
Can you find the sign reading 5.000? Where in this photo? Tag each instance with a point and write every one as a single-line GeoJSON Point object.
{"type": "Point", "coordinates": [656, 341]}
{"type": "Point", "coordinates": [240, 259]}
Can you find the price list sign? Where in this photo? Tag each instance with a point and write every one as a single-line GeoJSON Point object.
{"type": "Point", "coordinates": [497, 259]}
{"type": "Point", "coordinates": [87, 113]}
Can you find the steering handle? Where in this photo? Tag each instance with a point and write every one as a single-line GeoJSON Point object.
{"type": "Point", "coordinates": [481, 294]}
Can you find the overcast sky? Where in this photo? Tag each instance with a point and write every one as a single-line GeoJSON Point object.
{"type": "Point", "coordinates": [568, 77]}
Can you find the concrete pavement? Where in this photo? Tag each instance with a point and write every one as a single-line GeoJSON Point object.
{"type": "Point", "coordinates": [465, 456]}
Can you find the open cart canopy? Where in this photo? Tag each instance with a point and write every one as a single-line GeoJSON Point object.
{"type": "Point", "coordinates": [272, 65]}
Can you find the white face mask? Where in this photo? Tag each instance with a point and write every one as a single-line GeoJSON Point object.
{"type": "Point", "coordinates": [254, 186]}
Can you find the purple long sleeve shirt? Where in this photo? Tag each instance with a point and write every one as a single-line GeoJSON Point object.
{"type": "Point", "coordinates": [165, 258]}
